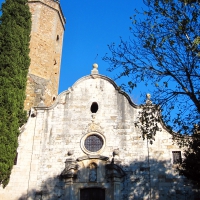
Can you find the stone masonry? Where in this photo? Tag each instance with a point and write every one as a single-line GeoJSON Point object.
{"type": "Point", "coordinates": [58, 160]}
{"type": "Point", "coordinates": [47, 33]}
{"type": "Point", "coordinates": [84, 143]}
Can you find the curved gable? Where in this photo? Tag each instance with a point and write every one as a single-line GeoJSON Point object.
{"type": "Point", "coordinates": [91, 79]}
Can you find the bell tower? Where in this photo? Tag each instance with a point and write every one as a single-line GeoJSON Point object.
{"type": "Point", "coordinates": [48, 24]}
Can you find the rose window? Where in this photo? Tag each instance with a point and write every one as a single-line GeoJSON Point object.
{"type": "Point", "coordinates": [93, 143]}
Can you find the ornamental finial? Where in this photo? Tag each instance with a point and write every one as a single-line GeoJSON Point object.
{"type": "Point", "coordinates": [95, 69]}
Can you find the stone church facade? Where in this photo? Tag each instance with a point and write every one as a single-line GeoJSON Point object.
{"type": "Point", "coordinates": [86, 146]}
{"type": "Point", "coordinates": [83, 144]}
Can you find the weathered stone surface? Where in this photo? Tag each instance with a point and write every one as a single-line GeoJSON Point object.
{"type": "Point", "coordinates": [54, 159]}
{"type": "Point", "coordinates": [57, 134]}
{"type": "Point", "coordinates": [45, 52]}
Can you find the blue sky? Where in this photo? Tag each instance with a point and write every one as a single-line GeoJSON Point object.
{"type": "Point", "coordinates": [91, 26]}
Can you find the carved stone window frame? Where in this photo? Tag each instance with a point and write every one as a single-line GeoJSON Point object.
{"type": "Point", "coordinates": [83, 143]}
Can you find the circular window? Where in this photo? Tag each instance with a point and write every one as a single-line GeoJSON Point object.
{"type": "Point", "coordinates": [93, 143]}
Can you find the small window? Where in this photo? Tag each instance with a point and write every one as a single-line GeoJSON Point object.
{"type": "Point", "coordinates": [176, 157]}
{"type": "Point", "coordinates": [94, 107]}
{"type": "Point", "coordinates": [57, 38]}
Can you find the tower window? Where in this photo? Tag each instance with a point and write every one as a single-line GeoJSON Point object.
{"type": "Point", "coordinates": [94, 107]}
{"type": "Point", "coordinates": [57, 38]}
{"type": "Point", "coordinates": [176, 157]}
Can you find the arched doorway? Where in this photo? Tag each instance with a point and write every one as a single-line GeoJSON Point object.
{"type": "Point", "coordinates": [92, 194]}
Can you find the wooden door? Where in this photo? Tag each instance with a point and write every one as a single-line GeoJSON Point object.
{"type": "Point", "coordinates": [92, 194]}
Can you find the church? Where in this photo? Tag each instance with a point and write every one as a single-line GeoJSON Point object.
{"type": "Point", "coordinates": [83, 144]}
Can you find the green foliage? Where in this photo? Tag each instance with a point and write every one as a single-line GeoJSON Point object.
{"type": "Point", "coordinates": [15, 27]}
{"type": "Point", "coordinates": [191, 163]}
{"type": "Point", "coordinates": [148, 120]}
{"type": "Point", "coordinates": [164, 53]}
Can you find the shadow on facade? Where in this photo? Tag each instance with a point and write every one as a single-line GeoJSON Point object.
{"type": "Point", "coordinates": [148, 179]}
{"type": "Point", "coordinates": [153, 179]}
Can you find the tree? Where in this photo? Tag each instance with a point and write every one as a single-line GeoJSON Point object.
{"type": "Point", "coordinates": [15, 27]}
{"type": "Point", "coordinates": [164, 53]}
{"type": "Point", "coordinates": [148, 120]}
{"type": "Point", "coordinates": [190, 165]}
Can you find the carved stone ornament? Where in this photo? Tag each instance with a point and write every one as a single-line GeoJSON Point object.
{"type": "Point", "coordinates": [148, 99]}
{"type": "Point", "coordinates": [93, 172]}
{"type": "Point", "coordinates": [95, 69]}
{"type": "Point", "coordinates": [116, 152]}
{"type": "Point", "coordinates": [93, 157]}
{"type": "Point", "coordinates": [114, 171]}
{"type": "Point", "coordinates": [94, 127]}
{"type": "Point", "coordinates": [71, 168]}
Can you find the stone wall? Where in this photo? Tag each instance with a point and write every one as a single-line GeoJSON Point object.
{"type": "Point", "coordinates": [45, 52]}
{"type": "Point", "coordinates": [54, 162]}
